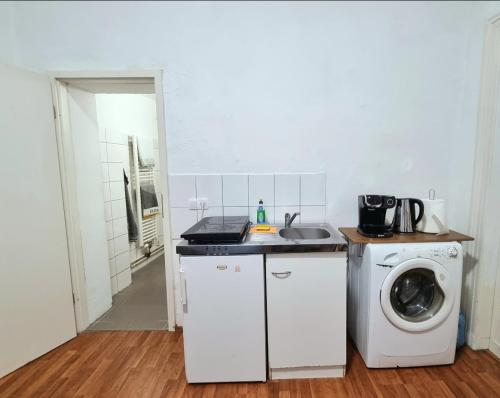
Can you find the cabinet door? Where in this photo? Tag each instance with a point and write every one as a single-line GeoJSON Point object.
{"type": "Point", "coordinates": [306, 309]}
{"type": "Point", "coordinates": [224, 318]}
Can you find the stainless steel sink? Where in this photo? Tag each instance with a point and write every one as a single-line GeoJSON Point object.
{"type": "Point", "coordinates": [304, 233]}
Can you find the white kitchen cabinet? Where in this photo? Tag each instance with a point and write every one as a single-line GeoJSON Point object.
{"type": "Point", "coordinates": [306, 311]}
{"type": "Point", "coordinates": [224, 318]}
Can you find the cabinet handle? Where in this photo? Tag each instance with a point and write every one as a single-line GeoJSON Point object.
{"type": "Point", "coordinates": [282, 275]}
{"type": "Point", "coordinates": [183, 288]}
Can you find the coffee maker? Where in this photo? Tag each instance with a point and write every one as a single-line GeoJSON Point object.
{"type": "Point", "coordinates": [372, 210]}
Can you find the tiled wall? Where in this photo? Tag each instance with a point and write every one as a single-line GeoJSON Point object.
{"type": "Point", "coordinates": [239, 194]}
{"type": "Point", "coordinates": [114, 159]}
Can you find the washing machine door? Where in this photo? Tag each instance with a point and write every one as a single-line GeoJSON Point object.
{"type": "Point", "coordinates": [416, 295]}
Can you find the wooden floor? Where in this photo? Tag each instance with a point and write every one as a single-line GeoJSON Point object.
{"type": "Point", "coordinates": [150, 364]}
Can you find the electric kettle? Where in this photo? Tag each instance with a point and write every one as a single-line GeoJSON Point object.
{"type": "Point", "coordinates": [404, 216]}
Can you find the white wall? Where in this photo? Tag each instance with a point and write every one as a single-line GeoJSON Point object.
{"type": "Point", "coordinates": [375, 94]}
{"type": "Point", "coordinates": [90, 193]}
{"type": "Point", "coordinates": [383, 97]}
{"type": "Point", "coordinates": [132, 114]}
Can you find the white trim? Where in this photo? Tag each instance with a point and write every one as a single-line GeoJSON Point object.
{"type": "Point", "coordinates": [307, 372]}
{"type": "Point", "coordinates": [442, 277]}
{"type": "Point", "coordinates": [65, 149]}
{"type": "Point", "coordinates": [68, 185]}
{"type": "Point", "coordinates": [481, 300]}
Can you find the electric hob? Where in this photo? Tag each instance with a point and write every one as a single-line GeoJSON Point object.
{"type": "Point", "coordinates": [229, 229]}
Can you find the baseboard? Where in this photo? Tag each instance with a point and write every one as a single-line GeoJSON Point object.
{"type": "Point", "coordinates": [143, 261]}
{"type": "Point", "coordinates": [307, 372]}
{"type": "Point", "coordinates": [478, 343]}
{"type": "Point", "coordinates": [495, 348]}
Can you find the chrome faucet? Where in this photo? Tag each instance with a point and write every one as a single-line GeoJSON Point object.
{"type": "Point", "coordinates": [289, 219]}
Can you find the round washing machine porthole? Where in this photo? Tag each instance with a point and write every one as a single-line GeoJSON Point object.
{"type": "Point", "coordinates": [416, 295]}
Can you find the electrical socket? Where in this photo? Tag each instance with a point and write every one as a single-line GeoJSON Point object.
{"type": "Point", "coordinates": [198, 204]}
{"type": "Point", "coordinates": [202, 203]}
{"type": "Point", "coordinates": [192, 203]}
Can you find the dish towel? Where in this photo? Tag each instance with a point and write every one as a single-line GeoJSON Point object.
{"type": "Point", "coordinates": [145, 149]}
{"type": "Point", "coordinates": [133, 230]}
{"type": "Point", "coordinates": [149, 201]}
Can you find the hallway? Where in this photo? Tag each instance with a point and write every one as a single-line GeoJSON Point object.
{"type": "Point", "coordinates": [142, 305]}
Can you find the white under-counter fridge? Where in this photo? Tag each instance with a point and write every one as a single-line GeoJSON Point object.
{"type": "Point", "coordinates": [224, 318]}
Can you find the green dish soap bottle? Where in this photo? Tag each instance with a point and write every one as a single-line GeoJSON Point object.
{"type": "Point", "coordinates": [261, 213]}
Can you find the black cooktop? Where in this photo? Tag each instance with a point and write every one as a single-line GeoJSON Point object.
{"type": "Point", "coordinates": [229, 229]}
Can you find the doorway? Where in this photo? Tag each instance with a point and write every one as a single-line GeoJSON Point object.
{"type": "Point", "coordinates": [112, 150]}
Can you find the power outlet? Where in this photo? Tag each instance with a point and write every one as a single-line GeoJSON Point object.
{"type": "Point", "coordinates": [192, 204]}
{"type": "Point", "coordinates": [202, 203]}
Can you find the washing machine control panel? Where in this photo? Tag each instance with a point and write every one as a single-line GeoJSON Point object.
{"type": "Point", "coordinates": [450, 251]}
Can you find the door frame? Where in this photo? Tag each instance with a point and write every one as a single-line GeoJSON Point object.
{"type": "Point", "coordinates": [481, 260]}
{"type": "Point", "coordinates": [68, 181]}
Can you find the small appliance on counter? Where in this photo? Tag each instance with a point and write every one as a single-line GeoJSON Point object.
{"type": "Point", "coordinates": [228, 229]}
{"type": "Point", "coordinates": [405, 220]}
{"type": "Point", "coordinates": [372, 215]}
{"type": "Point", "coordinates": [434, 219]}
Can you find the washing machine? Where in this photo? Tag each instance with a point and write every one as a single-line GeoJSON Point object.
{"type": "Point", "coordinates": [403, 302]}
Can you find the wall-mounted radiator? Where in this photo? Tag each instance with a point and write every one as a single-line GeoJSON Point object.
{"type": "Point", "coordinates": [142, 179]}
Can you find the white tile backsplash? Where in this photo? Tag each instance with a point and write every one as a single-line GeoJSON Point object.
{"type": "Point", "coordinates": [116, 137]}
{"type": "Point", "coordinates": [107, 211]}
{"type": "Point", "coordinates": [124, 279]}
{"type": "Point", "coordinates": [114, 285]}
{"type": "Point", "coordinates": [116, 171]}
{"type": "Point", "coordinates": [287, 189]}
{"type": "Point", "coordinates": [111, 249]}
{"type": "Point", "coordinates": [117, 153]}
{"type": "Point", "coordinates": [122, 262]}
{"type": "Point", "coordinates": [120, 226]}
{"type": "Point", "coordinates": [106, 192]}
{"type": "Point", "coordinates": [181, 219]}
{"type": "Point", "coordinates": [121, 244]}
{"type": "Point", "coordinates": [210, 212]}
{"type": "Point", "coordinates": [235, 190]}
{"type": "Point", "coordinates": [312, 214]}
{"type": "Point", "coordinates": [261, 187]}
{"type": "Point", "coordinates": [118, 208]}
{"type": "Point", "coordinates": [280, 212]}
{"type": "Point", "coordinates": [105, 173]}
{"type": "Point", "coordinates": [235, 211]}
{"type": "Point", "coordinates": [181, 189]}
{"type": "Point", "coordinates": [210, 187]}
{"type": "Point", "coordinates": [312, 189]}
{"type": "Point", "coordinates": [240, 194]}
{"type": "Point", "coordinates": [112, 266]}
{"type": "Point", "coordinates": [116, 190]}
{"type": "Point", "coordinates": [103, 151]}
{"type": "Point", "coordinates": [109, 230]}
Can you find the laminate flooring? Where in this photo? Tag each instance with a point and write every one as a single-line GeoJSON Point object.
{"type": "Point", "coordinates": [151, 364]}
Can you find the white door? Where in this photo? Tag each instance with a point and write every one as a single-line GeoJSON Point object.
{"type": "Point", "coordinates": [306, 309]}
{"type": "Point", "coordinates": [36, 306]}
{"type": "Point", "coordinates": [224, 318]}
{"type": "Point", "coordinates": [492, 201]}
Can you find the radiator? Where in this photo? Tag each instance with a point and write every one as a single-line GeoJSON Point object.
{"type": "Point", "coordinates": [147, 220]}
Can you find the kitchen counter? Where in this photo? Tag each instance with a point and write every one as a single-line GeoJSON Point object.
{"type": "Point", "coordinates": [353, 236]}
{"type": "Point", "coordinates": [269, 244]}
